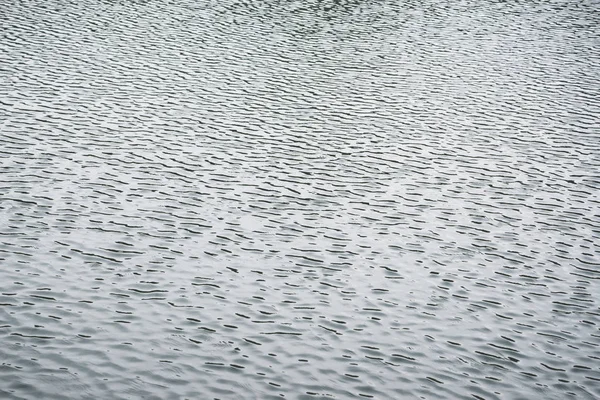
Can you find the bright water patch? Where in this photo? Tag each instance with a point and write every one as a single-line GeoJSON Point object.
{"type": "Point", "coordinates": [299, 199]}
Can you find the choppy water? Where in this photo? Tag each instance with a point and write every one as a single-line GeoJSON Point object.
{"type": "Point", "coordinates": [301, 199]}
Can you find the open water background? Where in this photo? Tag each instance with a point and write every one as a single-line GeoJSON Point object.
{"type": "Point", "coordinates": [303, 199]}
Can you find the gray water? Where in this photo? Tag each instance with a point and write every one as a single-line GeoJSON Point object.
{"type": "Point", "coordinates": [299, 199]}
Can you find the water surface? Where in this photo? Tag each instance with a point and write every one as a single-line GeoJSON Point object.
{"type": "Point", "coordinates": [299, 199]}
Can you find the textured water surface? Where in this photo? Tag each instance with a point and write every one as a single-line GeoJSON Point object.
{"type": "Point", "coordinates": [302, 199]}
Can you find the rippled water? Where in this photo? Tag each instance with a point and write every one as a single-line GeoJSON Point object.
{"type": "Point", "coordinates": [301, 199]}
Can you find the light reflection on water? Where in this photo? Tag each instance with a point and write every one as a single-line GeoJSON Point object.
{"type": "Point", "coordinates": [303, 199]}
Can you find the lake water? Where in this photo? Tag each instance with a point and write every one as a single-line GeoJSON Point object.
{"type": "Point", "coordinates": [299, 199]}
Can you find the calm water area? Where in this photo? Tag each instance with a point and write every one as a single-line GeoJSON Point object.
{"type": "Point", "coordinates": [316, 199]}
